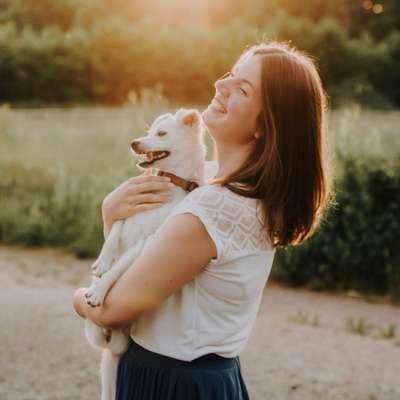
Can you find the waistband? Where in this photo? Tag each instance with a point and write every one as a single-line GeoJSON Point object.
{"type": "Point", "coordinates": [207, 361]}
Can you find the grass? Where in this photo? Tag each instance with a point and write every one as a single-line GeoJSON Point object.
{"type": "Point", "coordinates": [358, 326]}
{"type": "Point", "coordinates": [58, 164]}
{"type": "Point", "coordinates": [365, 133]}
{"type": "Point", "coordinates": [305, 318]}
{"type": "Point", "coordinates": [388, 332]}
{"type": "Point", "coordinates": [94, 142]}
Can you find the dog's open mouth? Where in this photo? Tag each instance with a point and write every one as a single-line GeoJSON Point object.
{"type": "Point", "coordinates": [149, 157]}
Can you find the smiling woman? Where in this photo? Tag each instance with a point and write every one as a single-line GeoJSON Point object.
{"type": "Point", "coordinates": [274, 94]}
{"type": "Point", "coordinates": [237, 103]}
{"type": "Point", "coordinates": [195, 290]}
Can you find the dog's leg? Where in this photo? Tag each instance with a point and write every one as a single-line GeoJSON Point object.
{"type": "Point", "coordinates": [96, 293]}
{"type": "Point", "coordinates": [109, 250]}
{"type": "Point", "coordinates": [96, 335]}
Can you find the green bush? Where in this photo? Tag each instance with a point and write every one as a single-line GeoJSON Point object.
{"type": "Point", "coordinates": [68, 160]}
{"type": "Point", "coordinates": [100, 54]}
{"type": "Point", "coordinates": [47, 66]}
{"type": "Point", "coordinates": [37, 208]}
{"type": "Point", "coordinates": [357, 245]}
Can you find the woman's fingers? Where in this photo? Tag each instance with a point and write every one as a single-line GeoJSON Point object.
{"type": "Point", "coordinates": [150, 198]}
{"type": "Point", "coordinates": [135, 180]}
{"type": "Point", "coordinates": [136, 194]}
{"type": "Point", "coordinates": [151, 185]}
{"type": "Point", "coordinates": [147, 206]}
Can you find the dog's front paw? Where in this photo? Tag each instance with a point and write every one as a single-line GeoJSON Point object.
{"type": "Point", "coordinates": [95, 295]}
{"type": "Point", "coordinates": [101, 266]}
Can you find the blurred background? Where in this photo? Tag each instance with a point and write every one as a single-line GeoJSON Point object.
{"type": "Point", "coordinates": [79, 79]}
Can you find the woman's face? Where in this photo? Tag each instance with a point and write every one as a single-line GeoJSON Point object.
{"type": "Point", "coordinates": [232, 114]}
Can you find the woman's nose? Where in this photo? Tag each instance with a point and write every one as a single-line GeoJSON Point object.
{"type": "Point", "coordinates": [221, 86]}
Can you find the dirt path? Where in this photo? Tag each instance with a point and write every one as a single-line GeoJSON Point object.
{"type": "Point", "coordinates": [44, 355]}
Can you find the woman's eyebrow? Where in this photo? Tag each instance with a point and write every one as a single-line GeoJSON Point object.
{"type": "Point", "coordinates": [248, 82]}
{"type": "Point", "coordinates": [244, 80]}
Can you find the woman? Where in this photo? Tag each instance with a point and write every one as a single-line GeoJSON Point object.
{"type": "Point", "coordinates": [195, 290]}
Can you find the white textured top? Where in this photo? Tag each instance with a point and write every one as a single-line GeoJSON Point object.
{"type": "Point", "coordinates": [216, 310]}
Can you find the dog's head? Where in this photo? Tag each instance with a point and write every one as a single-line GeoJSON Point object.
{"type": "Point", "coordinates": [171, 140]}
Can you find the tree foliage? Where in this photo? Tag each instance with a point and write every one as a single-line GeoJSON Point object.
{"type": "Point", "coordinates": [97, 50]}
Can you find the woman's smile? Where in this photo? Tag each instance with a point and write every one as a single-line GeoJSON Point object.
{"type": "Point", "coordinates": [231, 116]}
{"type": "Point", "coordinates": [218, 105]}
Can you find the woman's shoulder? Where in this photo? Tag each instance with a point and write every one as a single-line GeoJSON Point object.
{"type": "Point", "coordinates": [211, 195]}
{"type": "Point", "coordinates": [205, 197]}
{"type": "Point", "coordinates": [235, 217]}
{"type": "Point", "coordinates": [218, 195]}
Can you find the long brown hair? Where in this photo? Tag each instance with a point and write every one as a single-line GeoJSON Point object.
{"type": "Point", "coordinates": [288, 168]}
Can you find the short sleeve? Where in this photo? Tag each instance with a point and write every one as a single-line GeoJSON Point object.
{"type": "Point", "coordinates": [203, 203]}
{"type": "Point", "coordinates": [231, 220]}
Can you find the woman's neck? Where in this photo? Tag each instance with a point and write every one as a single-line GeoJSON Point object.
{"type": "Point", "coordinates": [229, 158]}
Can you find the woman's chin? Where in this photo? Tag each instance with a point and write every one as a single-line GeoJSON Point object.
{"type": "Point", "coordinates": [211, 116]}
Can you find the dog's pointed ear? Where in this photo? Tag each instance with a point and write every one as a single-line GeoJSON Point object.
{"type": "Point", "coordinates": [188, 117]}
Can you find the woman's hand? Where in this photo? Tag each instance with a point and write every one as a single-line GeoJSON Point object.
{"type": "Point", "coordinates": [95, 314]}
{"type": "Point", "coordinates": [77, 301]}
{"type": "Point", "coordinates": [136, 194]}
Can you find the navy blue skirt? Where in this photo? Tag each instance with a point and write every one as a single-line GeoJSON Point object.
{"type": "Point", "coordinates": [145, 375]}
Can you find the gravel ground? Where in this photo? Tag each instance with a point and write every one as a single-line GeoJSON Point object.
{"type": "Point", "coordinates": [44, 355]}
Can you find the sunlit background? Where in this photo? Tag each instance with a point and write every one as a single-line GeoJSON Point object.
{"type": "Point", "coordinates": [99, 50]}
{"type": "Point", "coordinates": [79, 79]}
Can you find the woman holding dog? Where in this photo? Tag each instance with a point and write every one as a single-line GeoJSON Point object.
{"type": "Point", "coordinates": [195, 290]}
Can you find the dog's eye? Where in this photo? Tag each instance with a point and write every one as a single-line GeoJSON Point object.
{"type": "Point", "coordinates": [161, 133]}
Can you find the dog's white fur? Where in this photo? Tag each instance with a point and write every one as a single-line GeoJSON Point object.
{"type": "Point", "coordinates": [184, 140]}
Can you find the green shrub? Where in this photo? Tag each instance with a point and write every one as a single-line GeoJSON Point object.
{"type": "Point", "coordinates": [37, 208]}
{"type": "Point", "coordinates": [102, 55]}
{"type": "Point", "coordinates": [357, 245]}
{"type": "Point", "coordinates": [57, 166]}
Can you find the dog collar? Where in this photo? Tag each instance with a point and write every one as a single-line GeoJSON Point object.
{"type": "Point", "coordinates": [187, 186]}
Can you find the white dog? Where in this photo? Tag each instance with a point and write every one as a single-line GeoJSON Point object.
{"type": "Point", "coordinates": [175, 146]}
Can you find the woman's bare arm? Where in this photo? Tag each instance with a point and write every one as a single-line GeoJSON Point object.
{"type": "Point", "coordinates": [181, 250]}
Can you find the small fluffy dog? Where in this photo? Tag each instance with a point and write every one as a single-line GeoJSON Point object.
{"type": "Point", "coordinates": [175, 146]}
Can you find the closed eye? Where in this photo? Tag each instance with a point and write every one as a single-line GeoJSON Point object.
{"type": "Point", "coordinates": [229, 73]}
{"type": "Point", "coordinates": [161, 133]}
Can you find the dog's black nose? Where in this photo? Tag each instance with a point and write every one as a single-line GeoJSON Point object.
{"type": "Point", "coordinates": [135, 145]}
